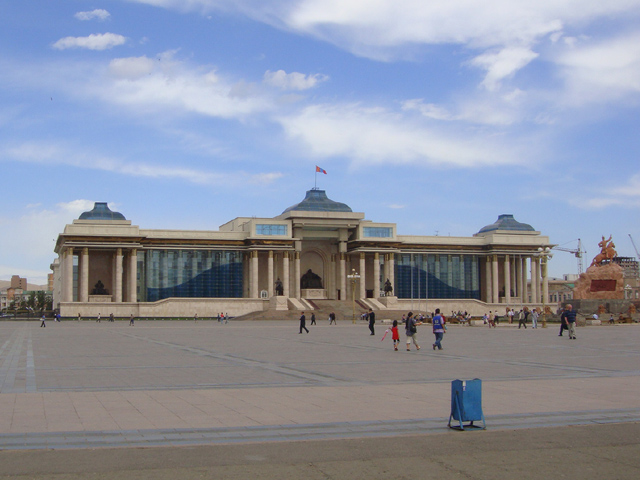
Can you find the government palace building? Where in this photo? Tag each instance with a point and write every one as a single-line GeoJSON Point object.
{"type": "Point", "coordinates": [315, 253]}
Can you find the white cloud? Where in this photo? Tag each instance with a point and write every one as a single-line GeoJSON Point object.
{"type": "Point", "coordinates": [377, 136]}
{"type": "Point", "coordinates": [95, 41]}
{"type": "Point", "coordinates": [131, 68]}
{"type": "Point", "coordinates": [600, 70]}
{"type": "Point", "coordinates": [293, 81]}
{"type": "Point", "coordinates": [175, 87]}
{"type": "Point", "coordinates": [98, 13]}
{"type": "Point", "coordinates": [32, 240]}
{"type": "Point", "coordinates": [57, 154]}
{"type": "Point", "coordinates": [502, 64]}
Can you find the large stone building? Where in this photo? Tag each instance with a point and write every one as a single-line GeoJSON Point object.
{"type": "Point", "coordinates": [307, 255]}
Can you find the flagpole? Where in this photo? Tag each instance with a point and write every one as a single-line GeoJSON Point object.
{"type": "Point", "coordinates": [315, 180]}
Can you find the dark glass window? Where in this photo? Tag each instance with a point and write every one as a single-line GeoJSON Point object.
{"type": "Point", "coordinates": [379, 232]}
{"type": "Point", "coordinates": [437, 276]}
{"type": "Point", "coordinates": [190, 274]}
{"type": "Point", "coordinates": [267, 229]}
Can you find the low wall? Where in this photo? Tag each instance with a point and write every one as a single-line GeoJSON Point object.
{"type": "Point", "coordinates": [446, 306]}
{"type": "Point", "coordinates": [589, 307]}
{"type": "Point", "coordinates": [170, 307]}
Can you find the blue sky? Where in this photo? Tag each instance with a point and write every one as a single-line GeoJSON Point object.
{"type": "Point", "coordinates": [438, 116]}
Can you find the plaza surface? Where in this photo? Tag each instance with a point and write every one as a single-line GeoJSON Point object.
{"type": "Point", "coordinates": [85, 385]}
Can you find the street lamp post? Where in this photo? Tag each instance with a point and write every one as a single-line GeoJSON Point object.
{"type": "Point", "coordinates": [354, 277]}
{"type": "Point", "coordinates": [545, 255]}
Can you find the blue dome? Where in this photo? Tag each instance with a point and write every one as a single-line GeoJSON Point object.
{"type": "Point", "coordinates": [101, 212]}
{"type": "Point", "coordinates": [507, 222]}
{"type": "Point", "coordinates": [317, 201]}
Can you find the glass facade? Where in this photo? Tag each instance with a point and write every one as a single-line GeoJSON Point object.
{"type": "Point", "coordinates": [268, 229]}
{"type": "Point", "coordinates": [189, 274]}
{"type": "Point", "coordinates": [378, 232]}
{"type": "Point", "coordinates": [437, 276]}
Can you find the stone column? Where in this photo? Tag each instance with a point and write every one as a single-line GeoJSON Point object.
{"type": "Point", "coordinates": [535, 279]}
{"type": "Point", "coordinates": [494, 279]}
{"type": "Point", "coordinates": [363, 287]}
{"type": "Point", "coordinates": [133, 276]}
{"type": "Point", "coordinates": [296, 268]}
{"type": "Point", "coordinates": [343, 277]}
{"type": "Point", "coordinates": [514, 275]}
{"type": "Point", "coordinates": [392, 273]}
{"type": "Point", "coordinates": [67, 284]}
{"type": "Point", "coordinates": [270, 274]}
{"type": "Point", "coordinates": [376, 275]}
{"type": "Point", "coordinates": [285, 274]}
{"type": "Point", "coordinates": [518, 276]}
{"type": "Point", "coordinates": [507, 280]}
{"type": "Point", "coordinates": [487, 280]}
{"type": "Point", "coordinates": [545, 283]}
{"type": "Point", "coordinates": [117, 284]}
{"type": "Point", "coordinates": [83, 277]}
{"type": "Point", "coordinates": [331, 287]}
{"type": "Point", "coordinates": [525, 286]}
{"type": "Point", "coordinates": [254, 275]}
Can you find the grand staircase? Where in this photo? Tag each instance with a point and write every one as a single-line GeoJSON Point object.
{"type": "Point", "coordinates": [322, 308]}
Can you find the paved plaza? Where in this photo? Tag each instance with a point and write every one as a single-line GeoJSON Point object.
{"type": "Point", "coordinates": [78, 386]}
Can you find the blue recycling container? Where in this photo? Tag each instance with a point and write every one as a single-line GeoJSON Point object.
{"type": "Point", "coordinates": [466, 403]}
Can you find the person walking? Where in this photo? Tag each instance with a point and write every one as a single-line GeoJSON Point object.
{"type": "Point", "coordinates": [534, 318]}
{"type": "Point", "coordinates": [44, 319]}
{"type": "Point", "coordinates": [569, 318]}
{"type": "Point", "coordinates": [98, 319]}
{"type": "Point", "coordinates": [303, 321]}
{"type": "Point", "coordinates": [131, 320]}
{"type": "Point", "coordinates": [412, 331]}
{"type": "Point", "coordinates": [395, 335]}
{"type": "Point", "coordinates": [313, 318]}
{"type": "Point", "coordinates": [372, 321]}
{"type": "Point", "coordinates": [439, 325]}
{"type": "Point", "coordinates": [332, 318]}
{"type": "Point", "coordinates": [522, 318]}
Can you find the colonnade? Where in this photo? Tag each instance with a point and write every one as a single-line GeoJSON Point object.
{"type": "Point", "coordinates": [286, 266]}
{"type": "Point", "coordinates": [122, 289]}
{"type": "Point", "coordinates": [507, 276]}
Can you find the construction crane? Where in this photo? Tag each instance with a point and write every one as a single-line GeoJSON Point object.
{"type": "Point", "coordinates": [577, 252]}
{"type": "Point", "coordinates": [634, 247]}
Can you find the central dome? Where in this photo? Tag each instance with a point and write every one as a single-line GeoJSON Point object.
{"type": "Point", "coordinates": [317, 201]}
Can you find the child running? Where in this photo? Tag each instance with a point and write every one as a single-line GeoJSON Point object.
{"type": "Point", "coordinates": [395, 335]}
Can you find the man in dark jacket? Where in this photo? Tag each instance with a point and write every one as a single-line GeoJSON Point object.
{"type": "Point", "coordinates": [568, 317]}
{"type": "Point", "coordinates": [372, 321]}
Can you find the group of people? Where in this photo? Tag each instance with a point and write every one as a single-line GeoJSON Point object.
{"type": "Point", "coordinates": [438, 323]}
{"type": "Point", "coordinates": [492, 319]}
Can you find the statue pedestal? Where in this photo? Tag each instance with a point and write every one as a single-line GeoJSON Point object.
{"type": "Point", "coordinates": [389, 302]}
{"type": "Point", "coordinates": [100, 298]}
{"type": "Point", "coordinates": [604, 282]}
{"type": "Point", "coordinates": [313, 293]}
{"type": "Point", "coordinates": [279, 303]}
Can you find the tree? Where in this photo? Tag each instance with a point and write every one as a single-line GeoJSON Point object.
{"type": "Point", "coordinates": [41, 300]}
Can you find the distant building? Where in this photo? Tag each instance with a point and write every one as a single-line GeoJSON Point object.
{"type": "Point", "coordinates": [19, 282]}
{"type": "Point", "coordinates": [289, 262]}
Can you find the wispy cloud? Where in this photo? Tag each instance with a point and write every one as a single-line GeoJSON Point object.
{"type": "Point", "coordinates": [600, 70]}
{"type": "Point", "coordinates": [95, 41]}
{"type": "Point", "coordinates": [57, 154]}
{"type": "Point", "coordinates": [376, 135]}
{"type": "Point", "coordinates": [293, 80]}
{"type": "Point", "coordinates": [98, 13]}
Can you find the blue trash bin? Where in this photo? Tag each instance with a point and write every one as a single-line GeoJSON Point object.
{"type": "Point", "coordinates": [466, 404]}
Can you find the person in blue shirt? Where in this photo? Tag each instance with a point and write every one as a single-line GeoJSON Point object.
{"type": "Point", "coordinates": [568, 317]}
{"type": "Point", "coordinates": [438, 323]}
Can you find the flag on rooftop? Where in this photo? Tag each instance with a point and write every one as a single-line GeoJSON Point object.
{"type": "Point", "coordinates": [320, 170]}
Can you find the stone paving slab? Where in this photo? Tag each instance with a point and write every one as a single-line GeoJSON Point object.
{"type": "Point", "coordinates": [86, 384]}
